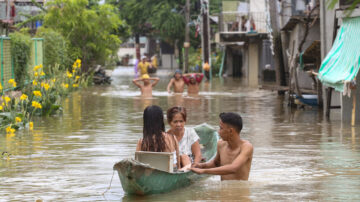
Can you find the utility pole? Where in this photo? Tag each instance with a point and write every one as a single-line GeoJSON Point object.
{"type": "Point", "coordinates": [279, 68]}
{"type": "Point", "coordinates": [205, 42]}
{"type": "Point", "coordinates": [187, 37]}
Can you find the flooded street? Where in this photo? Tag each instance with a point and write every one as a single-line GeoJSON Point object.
{"type": "Point", "coordinates": [298, 155]}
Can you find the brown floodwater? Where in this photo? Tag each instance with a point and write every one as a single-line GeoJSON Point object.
{"type": "Point", "coordinates": [298, 154]}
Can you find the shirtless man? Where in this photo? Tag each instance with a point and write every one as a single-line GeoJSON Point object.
{"type": "Point", "coordinates": [193, 82]}
{"type": "Point", "coordinates": [234, 155]}
{"type": "Point", "coordinates": [177, 82]}
{"type": "Point", "coordinates": [146, 88]}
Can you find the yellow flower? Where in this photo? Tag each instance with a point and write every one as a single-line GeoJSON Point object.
{"type": "Point", "coordinates": [54, 80]}
{"type": "Point", "coordinates": [31, 125]}
{"type": "Point", "coordinates": [1, 108]}
{"type": "Point", "coordinates": [7, 99]}
{"type": "Point", "coordinates": [40, 66]}
{"type": "Point", "coordinates": [42, 73]}
{"type": "Point", "coordinates": [37, 67]}
{"type": "Point", "coordinates": [23, 97]}
{"type": "Point", "coordinates": [46, 86]}
{"type": "Point", "coordinates": [1, 87]}
{"type": "Point", "coordinates": [36, 74]}
{"type": "Point", "coordinates": [35, 83]}
{"type": "Point", "coordinates": [36, 105]}
{"type": "Point", "coordinates": [77, 78]}
{"type": "Point", "coordinates": [65, 85]}
{"type": "Point", "coordinates": [75, 85]}
{"type": "Point", "coordinates": [13, 82]}
{"type": "Point", "coordinates": [69, 74]}
{"type": "Point", "coordinates": [10, 130]}
{"type": "Point", "coordinates": [77, 64]}
{"type": "Point", "coordinates": [17, 119]}
{"type": "Point", "coordinates": [37, 93]}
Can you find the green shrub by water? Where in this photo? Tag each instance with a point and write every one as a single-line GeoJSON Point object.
{"type": "Point", "coordinates": [55, 49]}
{"type": "Point", "coordinates": [20, 51]}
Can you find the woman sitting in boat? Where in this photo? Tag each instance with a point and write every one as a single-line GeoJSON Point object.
{"type": "Point", "coordinates": [155, 139]}
{"type": "Point", "coordinates": [189, 146]}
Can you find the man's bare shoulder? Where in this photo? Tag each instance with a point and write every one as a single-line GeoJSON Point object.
{"type": "Point", "coordinates": [246, 145]}
{"type": "Point", "coordinates": [221, 143]}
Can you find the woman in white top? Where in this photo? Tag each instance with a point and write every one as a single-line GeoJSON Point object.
{"type": "Point", "coordinates": [154, 137]}
{"type": "Point", "coordinates": [189, 147]}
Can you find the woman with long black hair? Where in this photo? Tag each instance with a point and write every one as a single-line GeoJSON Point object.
{"type": "Point", "coordinates": [155, 139]}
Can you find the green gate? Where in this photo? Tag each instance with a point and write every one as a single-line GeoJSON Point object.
{"type": "Point", "coordinates": [7, 70]}
{"type": "Point", "coordinates": [36, 55]}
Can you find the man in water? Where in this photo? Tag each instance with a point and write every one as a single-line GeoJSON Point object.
{"type": "Point", "coordinates": [193, 81]}
{"type": "Point", "coordinates": [143, 66]}
{"type": "Point", "coordinates": [234, 155]}
{"type": "Point", "coordinates": [177, 82]}
{"type": "Point", "coordinates": [146, 87]}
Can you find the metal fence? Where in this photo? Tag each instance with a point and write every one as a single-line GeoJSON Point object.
{"type": "Point", "coordinates": [234, 21]}
{"type": "Point", "coordinates": [36, 55]}
{"type": "Point", "coordinates": [7, 61]}
{"type": "Point", "coordinates": [7, 68]}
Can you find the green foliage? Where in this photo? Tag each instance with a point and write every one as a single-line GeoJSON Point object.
{"type": "Point", "coordinates": [92, 32]}
{"type": "Point", "coordinates": [55, 49]}
{"type": "Point", "coordinates": [217, 59]}
{"type": "Point", "coordinates": [169, 25]}
{"type": "Point", "coordinates": [349, 10]}
{"type": "Point", "coordinates": [215, 6]}
{"type": "Point", "coordinates": [194, 58]}
{"type": "Point", "coordinates": [20, 51]}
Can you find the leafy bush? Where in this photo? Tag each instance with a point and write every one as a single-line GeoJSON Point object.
{"type": "Point", "coordinates": [20, 51]}
{"type": "Point", "coordinates": [90, 31]}
{"type": "Point", "coordinates": [55, 49]}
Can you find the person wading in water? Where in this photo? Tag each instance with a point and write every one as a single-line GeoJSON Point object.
{"type": "Point", "coordinates": [234, 155]}
{"type": "Point", "coordinates": [146, 87]}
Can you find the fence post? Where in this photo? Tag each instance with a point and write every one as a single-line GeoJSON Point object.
{"type": "Point", "coordinates": [2, 61]}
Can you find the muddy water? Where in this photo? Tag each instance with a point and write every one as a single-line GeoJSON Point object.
{"type": "Point", "coordinates": [298, 154]}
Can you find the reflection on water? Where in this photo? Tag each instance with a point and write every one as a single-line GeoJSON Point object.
{"type": "Point", "coordinates": [298, 154]}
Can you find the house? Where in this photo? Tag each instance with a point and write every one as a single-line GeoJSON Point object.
{"type": "Point", "coordinates": [244, 35]}
{"type": "Point", "coordinates": [13, 12]}
{"type": "Point", "coordinates": [338, 69]}
{"type": "Point", "coordinates": [300, 36]}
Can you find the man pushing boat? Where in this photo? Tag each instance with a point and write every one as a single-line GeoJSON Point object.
{"type": "Point", "coordinates": [234, 155]}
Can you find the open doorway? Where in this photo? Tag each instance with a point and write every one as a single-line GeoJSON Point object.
{"type": "Point", "coordinates": [237, 65]}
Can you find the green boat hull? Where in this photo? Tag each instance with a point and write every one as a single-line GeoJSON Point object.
{"type": "Point", "coordinates": [141, 179]}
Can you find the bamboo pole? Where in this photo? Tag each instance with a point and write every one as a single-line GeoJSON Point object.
{"type": "Point", "coordinates": [353, 115]}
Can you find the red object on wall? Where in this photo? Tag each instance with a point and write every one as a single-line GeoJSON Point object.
{"type": "Point", "coordinates": [12, 11]}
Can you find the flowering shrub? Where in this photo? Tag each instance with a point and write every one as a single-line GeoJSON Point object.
{"type": "Point", "coordinates": [41, 97]}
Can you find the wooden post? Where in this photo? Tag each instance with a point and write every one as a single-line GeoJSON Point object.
{"type": "Point", "coordinates": [205, 32]}
{"type": "Point", "coordinates": [353, 114]}
{"type": "Point", "coordinates": [328, 101]}
{"type": "Point", "coordinates": [137, 46]}
{"type": "Point", "coordinates": [187, 37]}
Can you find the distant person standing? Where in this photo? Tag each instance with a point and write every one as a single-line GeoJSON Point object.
{"type": "Point", "coordinates": [146, 85]}
{"type": "Point", "coordinates": [193, 81]}
{"type": "Point", "coordinates": [177, 83]}
{"type": "Point", "coordinates": [143, 66]}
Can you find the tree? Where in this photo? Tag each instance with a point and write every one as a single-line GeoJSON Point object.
{"type": "Point", "coordinates": [354, 4]}
{"type": "Point", "coordinates": [91, 32]}
{"type": "Point", "coordinates": [158, 18]}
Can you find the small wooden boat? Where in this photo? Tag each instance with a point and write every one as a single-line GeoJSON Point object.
{"type": "Point", "coordinates": [142, 179]}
